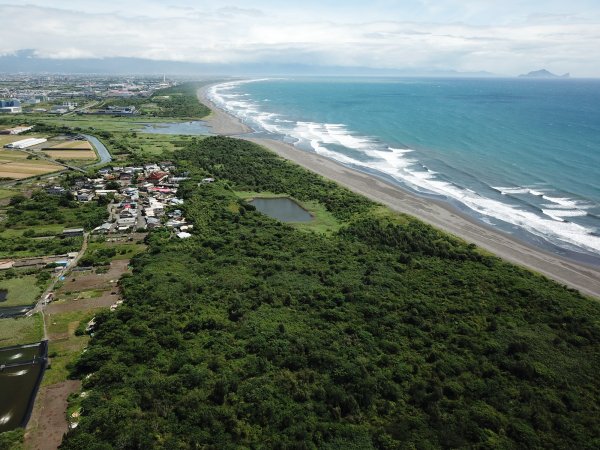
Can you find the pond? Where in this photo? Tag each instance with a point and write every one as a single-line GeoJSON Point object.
{"type": "Point", "coordinates": [14, 311]}
{"type": "Point", "coordinates": [3, 294]}
{"type": "Point", "coordinates": [283, 209]}
{"type": "Point", "coordinates": [21, 371]}
{"type": "Point", "coordinates": [186, 128]}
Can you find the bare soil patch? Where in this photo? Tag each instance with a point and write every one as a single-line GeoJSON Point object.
{"type": "Point", "coordinates": [88, 280]}
{"type": "Point", "coordinates": [48, 422]}
{"type": "Point", "coordinates": [104, 301]}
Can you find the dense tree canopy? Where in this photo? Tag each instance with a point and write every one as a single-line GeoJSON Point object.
{"type": "Point", "coordinates": [388, 334]}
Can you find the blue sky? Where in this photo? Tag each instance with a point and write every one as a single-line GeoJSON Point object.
{"type": "Point", "coordinates": [505, 37]}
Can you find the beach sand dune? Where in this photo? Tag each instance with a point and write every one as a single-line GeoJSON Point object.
{"type": "Point", "coordinates": [443, 216]}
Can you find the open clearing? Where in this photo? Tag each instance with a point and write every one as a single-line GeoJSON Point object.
{"type": "Point", "coordinates": [21, 291]}
{"type": "Point", "coordinates": [48, 422]}
{"type": "Point", "coordinates": [7, 193]}
{"type": "Point", "coordinates": [77, 282]}
{"type": "Point", "coordinates": [22, 330]}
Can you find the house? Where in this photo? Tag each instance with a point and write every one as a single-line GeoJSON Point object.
{"type": "Point", "coordinates": [127, 213]}
{"type": "Point", "coordinates": [105, 192]}
{"type": "Point", "coordinates": [157, 177]}
{"type": "Point", "coordinates": [184, 235]}
{"type": "Point", "coordinates": [56, 190]}
{"type": "Point", "coordinates": [151, 168]}
{"type": "Point", "coordinates": [153, 222]}
{"type": "Point", "coordinates": [208, 180]}
{"type": "Point", "coordinates": [59, 109]}
{"type": "Point", "coordinates": [49, 298]}
{"type": "Point", "coordinates": [125, 224]}
{"type": "Point", "coordinates": [173, 223]}
{"type": "Point", "coordinates": [85, 196]}
{"type": "Point", "coordinates": [103, 229]}
{"type": "Point", "coordinates": [72, 232]}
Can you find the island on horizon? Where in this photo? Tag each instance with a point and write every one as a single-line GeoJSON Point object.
{"type": "Point", "coordinates": [543, 73]}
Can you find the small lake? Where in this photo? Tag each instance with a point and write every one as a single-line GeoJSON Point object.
{"type": "Point", "coordinates": [282, 209]}
{"type": "Point", "coordinates": [194, 128]}
{"type": "Point", "coordinates": [21, 371]}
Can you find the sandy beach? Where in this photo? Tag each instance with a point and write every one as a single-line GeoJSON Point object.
{"type": "Point", "coordinates": [439, 214]}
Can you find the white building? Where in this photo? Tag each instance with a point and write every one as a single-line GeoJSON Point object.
{"type": "Point", "coordinates": [26, 143]}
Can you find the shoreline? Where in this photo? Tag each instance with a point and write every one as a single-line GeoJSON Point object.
{"type": "Point", "coordinates": [443, 216]}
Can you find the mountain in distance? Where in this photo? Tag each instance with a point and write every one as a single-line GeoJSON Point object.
{"type": "Point", "coordinates": [26, 61]}
{"type": "Point", "coordinates": [543, 74]}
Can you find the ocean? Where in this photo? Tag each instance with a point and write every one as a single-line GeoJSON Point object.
{"type": "Point", "coordinates": [521, 155]}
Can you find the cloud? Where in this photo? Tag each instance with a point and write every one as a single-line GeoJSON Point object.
{"type": "Point", "coordinates": [246, 35]}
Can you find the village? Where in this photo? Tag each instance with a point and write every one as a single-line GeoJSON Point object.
{"type": "Point", "coordinates": [138, 198]}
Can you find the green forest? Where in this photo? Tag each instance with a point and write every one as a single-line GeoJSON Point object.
{"type": "Point", "coordinates": [386, 334]}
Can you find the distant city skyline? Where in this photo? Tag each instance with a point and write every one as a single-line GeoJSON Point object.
{"type": "Point", "coordinates": [463, 35]}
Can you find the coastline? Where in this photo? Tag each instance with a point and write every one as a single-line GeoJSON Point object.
{"type": "Point", "coordinates": [436, 213]}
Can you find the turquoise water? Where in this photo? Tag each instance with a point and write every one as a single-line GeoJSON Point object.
{"type": "Point", "coordinates": [521, 155]}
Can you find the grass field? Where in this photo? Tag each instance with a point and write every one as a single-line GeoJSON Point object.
{"type": "Point", "coordinates": [123, 250]}
{"type": "Point", "coordinates": [21, 291]}
{"type": "Point", "coordinates": [323, 221]}
{"type": "Point", "coordinates": [7, 193]}
{"type": "Point", "coordinates": [22, 330]}
{"type": "Point", "coordinates": [71, 154]}
{"type": "Point", "coordinates": [40, 230]}
{"type": "Point", "coordinates": [64, 346]}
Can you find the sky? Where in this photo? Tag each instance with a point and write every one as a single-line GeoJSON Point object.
{"type": "Point", "coordinates": [506, 37]}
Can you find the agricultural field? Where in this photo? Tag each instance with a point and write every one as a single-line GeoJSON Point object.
{"type": "Point", "coordinates": [16, 165]}
{"type": "Point", "coordinates": [69, 145]}
{"type": "Point", "coordinates": [71, 154]}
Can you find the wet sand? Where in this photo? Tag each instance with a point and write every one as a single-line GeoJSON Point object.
{"type": "Point", "coordinates": [439, 214]}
